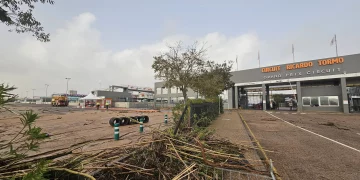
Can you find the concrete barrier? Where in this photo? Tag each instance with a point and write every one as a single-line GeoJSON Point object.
{"type": "Point", "coordinates": [122, 104]}
{"type": "Point", "coordinates": [73, 104]}
{"type": "Point", "coordinates": [147, 105]}
{"type": "Point", "coordinates": [140, 105]}
{"type": "Point", "coordinates": [133, 105]}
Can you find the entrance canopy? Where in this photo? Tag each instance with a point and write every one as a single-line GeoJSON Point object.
{"type": "Point", "coordinates": [90, 97]}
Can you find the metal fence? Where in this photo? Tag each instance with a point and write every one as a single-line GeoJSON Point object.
{"type": "Point", "coordinates": [198, 111]}
{"type": "Point", "coordinates": [229, 174]}
{"type": "Point", "coordinates": [163, 105]}
{"type": "Point", "coordinates": [232, 174]}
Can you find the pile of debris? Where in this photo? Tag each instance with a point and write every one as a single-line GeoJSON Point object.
{"type": "Point", "coordinates": [165, 156]}
{"type": "Point", "coordinates": [159, 154]}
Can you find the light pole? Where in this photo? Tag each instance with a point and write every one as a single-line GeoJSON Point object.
{"type": "Point", "coordinates": [27, 94]}
{"type": "Point", "coordinates": [46, 87]}
{"type": "Point", "coordinates": [33, 94]}
{"type": "Point", "coordinates": [67, 85]}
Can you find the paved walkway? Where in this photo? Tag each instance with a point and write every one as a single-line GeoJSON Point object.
{"type": "Point", "coordinates": [229, 126]}
{"type": "Point", "coordinates": [300, 154]}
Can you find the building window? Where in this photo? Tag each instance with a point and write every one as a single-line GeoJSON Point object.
{"type": "Point", "coordinates": [165, 90]}
{"type": "Point", "coordinates": [173, 90]}
{"type": "Point", "coordinates": [306, 101]}
{"type": "Point", "coordinates": [315, 101]}
{"type": "Point", "coordinates": [334, 100]}
{"type": "Point", "coordinates": [158, 90]}
{"type": "Point", "coordinates": [324, 101]}
{"type": "Point", "coordinates": [321, 101]}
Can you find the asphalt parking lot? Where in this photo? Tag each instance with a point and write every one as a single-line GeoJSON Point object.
{"type": "Point", "coordinates": [309, 145]}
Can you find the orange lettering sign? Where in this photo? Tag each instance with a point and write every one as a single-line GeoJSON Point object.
{"type": "Point", "coordinates": [270, 69]}
{"type": "Point", "coordinates": [299, 65]}
{"type": "Point", "coordinates": [325, 62]}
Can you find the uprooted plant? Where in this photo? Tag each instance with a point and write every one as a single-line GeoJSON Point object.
{"type": "Point", "coordinates": [13, 151]}
{"type": "Point", "coordinates": [27, 139]}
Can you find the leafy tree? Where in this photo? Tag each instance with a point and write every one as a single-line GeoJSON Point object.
{"type": "Point", "coordinates": [5, 94]}
{"type": "Point", "coordinates": [214, 79]}
{"type": "Point", "coordinates": [179, 67]}
{"type": "Point", "coordinates": [19, 15]}
{"type": "Point", "coordinates": [27, 139]}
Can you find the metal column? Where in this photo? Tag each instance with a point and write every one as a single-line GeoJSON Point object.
{"type": "Point", "coordinates": [299, 96]}
{"type": "Point", "coordinates": [236, 97]}
{"type": "Point", "coordinates": [267, 97]}
{"type": "Point", "coordinates": [264, 96]}
{"type": "Point", "coordinates": [230, 97]}
{"type": "Point", "coordinates": [344, 96]}
{"type": "Point", "coordinates": [233, 97]}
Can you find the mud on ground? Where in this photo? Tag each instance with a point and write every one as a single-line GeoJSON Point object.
{"type": "Point", "coordinates": [68, 126]}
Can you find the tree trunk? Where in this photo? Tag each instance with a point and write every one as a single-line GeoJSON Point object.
{"type": "Point", "coordinates": [184, 92]}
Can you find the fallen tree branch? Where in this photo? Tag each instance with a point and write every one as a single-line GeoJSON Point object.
{"type": "Point", "coordinates": [73, 172]}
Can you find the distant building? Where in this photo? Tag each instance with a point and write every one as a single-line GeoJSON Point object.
{"type": "Point", "coordinates": [126, 93]}
{"type": "Point", "coordinates": [326, 84]}
{"type": "Point", "coordinates": [115, 96]}
{"type": "Point", "coordinates": [72, 92]}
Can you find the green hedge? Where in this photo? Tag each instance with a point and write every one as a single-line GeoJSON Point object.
{"type": "Point", "coordinates": [204, 112]}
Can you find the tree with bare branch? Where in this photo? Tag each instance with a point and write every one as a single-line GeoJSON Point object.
{"type": "Point", "coordinates": [19, 15]}
{"type": "Point", "coordinates": [180, 66]}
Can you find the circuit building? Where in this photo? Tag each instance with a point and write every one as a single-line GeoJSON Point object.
{"type": "Point", "coordinates": [328, 84]}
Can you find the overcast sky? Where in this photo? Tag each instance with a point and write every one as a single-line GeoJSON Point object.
{"type": "Point", "coordinates": [113, 41]}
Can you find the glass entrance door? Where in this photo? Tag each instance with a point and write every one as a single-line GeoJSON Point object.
{"type": "Point", "coordinates": [355, 104]}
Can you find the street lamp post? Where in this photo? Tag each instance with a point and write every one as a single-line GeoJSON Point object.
{"type": "Point", "coordinates": [46, 88]}
{"type": "Point", "coordinates": [27, 94]}
{"type": "Point", "coordinates": [67, 85]}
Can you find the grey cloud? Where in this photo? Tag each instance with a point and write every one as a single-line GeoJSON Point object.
{"type": "Point", "coordinates": [76, 51]}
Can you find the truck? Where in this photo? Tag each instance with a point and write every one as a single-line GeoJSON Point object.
{"type": "Point", "coordinates": [59, 100]}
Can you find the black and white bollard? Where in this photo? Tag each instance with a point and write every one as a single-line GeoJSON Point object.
{"type": "Point", "coordinates": [116, 131]}
{"type": "Point", "coordinates": [166, 119]}
{"type": "Point", "coordinates": [141, 124]}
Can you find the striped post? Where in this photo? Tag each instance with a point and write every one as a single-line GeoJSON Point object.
{"type": "Point", "coordinates": [166, 119]}
{"type": "Point", "coordinates": [116, 131]}
{"type": "Point", "coordinates": [141, 124]}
